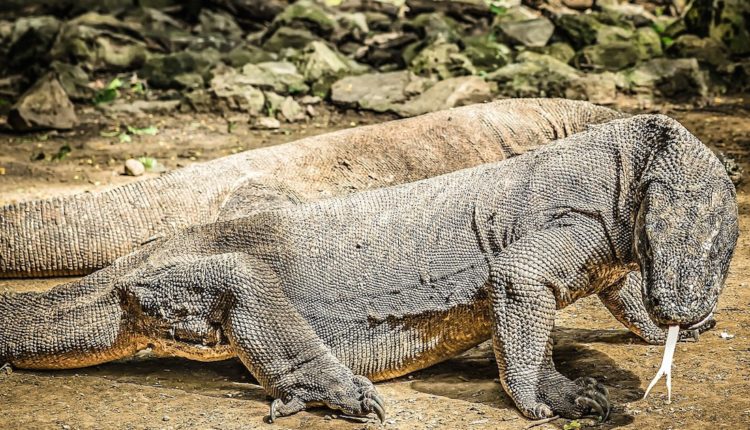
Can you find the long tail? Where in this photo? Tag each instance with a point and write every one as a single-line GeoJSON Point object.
{"type": "Point", "coordinates": [78, 234]}
{"type": "Point", "coordinates": [76, 324]}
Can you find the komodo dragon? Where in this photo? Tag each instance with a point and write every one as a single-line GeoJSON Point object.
{"type": "Point", "coordinates": [76, 235]}
{"type": "Point", "coordinates": [319, 297]}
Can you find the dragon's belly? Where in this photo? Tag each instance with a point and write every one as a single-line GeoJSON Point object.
{"type": "Point", "coordinates": [397, 346]}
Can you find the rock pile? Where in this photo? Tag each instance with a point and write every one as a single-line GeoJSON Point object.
{"type": "Point", "coordinates": [260, 58]}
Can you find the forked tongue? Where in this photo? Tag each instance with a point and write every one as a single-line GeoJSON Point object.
{"type": "Point", "coordinates": [666, 362]}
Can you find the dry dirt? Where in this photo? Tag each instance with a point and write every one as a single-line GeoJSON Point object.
{"type": "Point", "coordinates": [711, 378]}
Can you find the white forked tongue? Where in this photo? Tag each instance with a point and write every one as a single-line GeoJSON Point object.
{"type": "Point", "coordinates": [666, 362]}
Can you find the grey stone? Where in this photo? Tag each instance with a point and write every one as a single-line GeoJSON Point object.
{"type": "Point", "coordinates": [373, 91]}
{"type": "Point", "coordinates": [597, 88]}
{"type": "Point", "coordinates": [238, 94]}
{"type": "Point", "coordinates": [279, 76]}
{"type": "Point", "coordinates": [266, 123]}
{"type": "Point", "coordinates": [706, 50]}
{"type": "Point", "coordinates": [442, 60]}
{"type": "Point", "coordinates": [162, 71]}
{"type": "Point", "coordinates": [486, 55]}
{"type": "Point", "coordinates": [322, 66]}
{"type": "Point", "coordinates": [44, 106]}
{"type": "Point", "coordinates": [446, 94]}
{"type": "Point", "coordinates": [100, 42]}
{"type": "Point", "coordinates": [291, 111]}
{"type": "Point", "coordinates": [74, 81]}
{"type": "Point", "coordinates": [30, 41]}
{"type": "Point", "coordinates": [307, 14]}
{"type": "Point", "coordinates": [534, 75]}
{"type": "Point", "coordinates": [680, 78]}
{"type": "Point", "coordinates": [533, 33]}
{"type": "Point", "coordinates": [134, 167]}
{"type": "Point", "coordinates": [287, 37]}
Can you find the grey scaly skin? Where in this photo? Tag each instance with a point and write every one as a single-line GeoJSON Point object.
{"type": "Point", "coordinates": [75, 235]}
{"type": "Point", "coordinates": [321, 298]}
{"type": "Point", "coordinates": [79, 234]}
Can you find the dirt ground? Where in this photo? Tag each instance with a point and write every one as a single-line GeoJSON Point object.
{"type": "Point", "coordinates": [711, 378]}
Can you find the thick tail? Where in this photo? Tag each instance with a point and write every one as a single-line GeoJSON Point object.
{"type": "Point", "coordinates": [79, 234]}
{"type": "Point", "coordinates": [77, 324]}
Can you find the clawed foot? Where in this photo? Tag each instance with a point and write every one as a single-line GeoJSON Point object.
{"type": "Point", "coordinates": [593, 397]}
{"type": "Point", "coordinates": [570, 399]}
{"type": "Point", "coordinates": [6, 368]}
{"type": "Point", "coordinates": [359, 399]}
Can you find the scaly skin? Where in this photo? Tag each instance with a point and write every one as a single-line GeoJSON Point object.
{"type": "Point", "coordinates": [315, 298]}
{"type": "Point", "coordinates": [79, 234]}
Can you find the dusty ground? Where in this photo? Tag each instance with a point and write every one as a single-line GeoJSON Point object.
{"type": "Point", "coordinates": [711, 377]}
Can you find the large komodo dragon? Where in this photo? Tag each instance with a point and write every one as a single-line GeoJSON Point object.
{"type": "Point", "coordinates": [318, 297]}
{"type": "Point", "coordinates": [78, 234]}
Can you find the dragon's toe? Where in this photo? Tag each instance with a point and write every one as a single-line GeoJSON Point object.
{"type": "Point", "coordinates": [6, 368]}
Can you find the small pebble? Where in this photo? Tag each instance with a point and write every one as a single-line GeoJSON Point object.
{"type": "Point", "coordinates": [266, 123]}
{"type": "Point", "coordinates": [165, 418]}
{"type": "Point", "coordinates": [134, 167]}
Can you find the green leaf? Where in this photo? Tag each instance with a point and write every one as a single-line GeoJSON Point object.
{"type": "Point", "coordinates": [149, 163]}
{"type": "Point", "coordinates": [62, 153]}
{"type": "Point", "coordinates": [110, 133]}
{"type": "Point", "coordinates": [659, 28]}
{"type": "Point", "coordinates": [106, 96]}
{"type": "Point", "coordinates": [150, 130]}
{"type": "Point", "coordinates": [114, 84]}
{"type": "Point", "coordinates": [573, 425]}
{"type": "Point", "coordinates": [125, 138]}
{"type": "Point", "coordinates": [4, 102]}
{"type": "Point", "coordinates": [138, 88]}
{"type": "Point", "coordinates": [498, 10]}
{"type": "Point", "coordinates": [667, 41]}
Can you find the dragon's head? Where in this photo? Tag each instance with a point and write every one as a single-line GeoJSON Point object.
{"type": "Point", "coordinates": [686, 229]}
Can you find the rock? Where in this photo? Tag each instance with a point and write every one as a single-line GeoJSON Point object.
{"type": "Point", "coordinates": [30, 41]}
{"type": "Point", "coordinates": [706, 50]}
{"type": "Point", "coordinates": [385, 48]}
{"type": "Point", "coordinates": [189, 80]}
{"type": "Point", "coordinates": [433, 27]}
{"type": "Point", "coordinates": [635, 13]}
{"type": "Point", "coordinates": [443, 60]}
{"type": "Point", "coordinates": [291, 111]}
{"type": "Point", "coordinates": [162, 71]}
{"type": "Point", "coordinates": [45, 105]}
{"type": "Point", "coordinates": [252, 11]}
{"type": "Point", "coordinates": [373, 91]}
{"type": "Point", "coordinates": [525, 26]}
{"type": "Point", "coordinates": [678, 78]}
{"type": "Point", "coordinates": [648, 42]}
{"type": "Point", "coordinates": [279, 76]}
{"type": "Point", "coordinates": [611, 56]}
{"type": "Point", "coordinates": [558, 50]}
{"type": "Point", "coordinates": [534, 75]}
{"type": "Point", "coordinates": [218, 22]}
{"type": "Point", "coordinates": [273, 102]}
{"type": "Point", "coordinates": [286, 37]}
{"type": "Point", "coordinates": [134, 167]}
{"type": "Point", "coordinates": [245, 54]}
{"type": "Point", "coordinates": [141, 108]}
{"type": "Point", "coordinates": [578, 4]}
{"type": "Point", "coordinates": [486, 55]}
{"type": "Point", "coordinates": [596, 88]}
{"type": "Point", "coordinates": [581, 29]}
{"type": "Point", "coordinates": [237, 94]}
{"type": "Point", "coordinates": [306, 14]}
{"type": "Point", "coordinates": [446, 94]}
{"type": "Point", "coordinates": [74, 81]}
{"type": "Point", "coordinates": [100, 42]}
{"type": "Point", "coordinates": [322, 66]}
{"type": "Point", "coordinates": [266, 123]}
{"type": "Point", "coordinates": [199, 100]}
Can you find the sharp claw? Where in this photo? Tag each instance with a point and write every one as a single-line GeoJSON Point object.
{"type": "Point", "coordinates": [379, 411]}
{"type": "Point", "coordinates": [591, 403]}
{"type": "Point", "coordinates": [6, 368]}
{"type": "Point", "coordinates": [272, 414]}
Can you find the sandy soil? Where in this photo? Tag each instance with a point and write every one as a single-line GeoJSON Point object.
{"type": "Point", "coordinates": [711, 378]}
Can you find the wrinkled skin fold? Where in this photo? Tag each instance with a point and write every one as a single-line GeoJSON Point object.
{"type": "Point", "coordinates": [321, 298]}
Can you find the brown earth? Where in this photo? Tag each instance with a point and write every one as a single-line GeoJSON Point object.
{"type": "Point", "coordinates": [711, 378]}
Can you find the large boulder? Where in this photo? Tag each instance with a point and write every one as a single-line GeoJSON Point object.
{"type": "Point", "coordinates": [678, 78]}
{"type": "Point", "coordinates": [375, 91]}
{"type": "Point", "coordinates": [705, 49]}
{"type": "Point", "coordinates": [45, 105]}
{"type": "Point", "coordinates": [617, 48]}
{"type": "Point", "coordinates": [524, 26]}
{"type": "Point", "coordinates": [322, 66]}
{"type": "Point", "coordinates": [486, 54]}
{"type": "Point", "coordinates": [442, 60]}
{"type": "Point", "coordinates": [74, 81]}
{"type": "Point", "coordinates": [100, 42]}
{"type": "Point", "coordinates": [174, 70]}
{"type": "Point", "coordinates": [306, 14]}
{"type": "Point", "coordinates": [534, 75]}
{"type": "Point", "coordinates": [281, 77]}
{"type": "Point", "coordinates": [30, 41]}
{"type": "Point", "coordinates": [446, 94]}
{"type": "Point", "coordinates": [727, 21]}
{"type": "Point", "coordinates": [236, 93]}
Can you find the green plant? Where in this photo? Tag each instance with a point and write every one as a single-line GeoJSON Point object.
{"type": "Point", "coordinates": [109, 93]}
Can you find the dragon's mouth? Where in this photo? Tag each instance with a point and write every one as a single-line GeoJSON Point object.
{"type": "Point", "coordinates": [705, 319]}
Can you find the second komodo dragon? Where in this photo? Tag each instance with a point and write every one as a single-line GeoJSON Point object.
{"type": "Point", "coordinates": [321, 298]}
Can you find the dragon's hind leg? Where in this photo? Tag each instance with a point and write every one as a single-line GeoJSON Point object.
{"type": "Point", "coordinates": [278, 345]}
